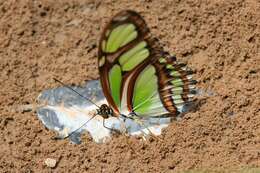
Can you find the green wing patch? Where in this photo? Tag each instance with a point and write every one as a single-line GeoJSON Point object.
{"type": "Point", "coordinates": [134, 56]}
{"type": "Point", "coordinates": [115, 79]}
{"type": "Point", "coordinates": [145, 86]}
{"type": "Point", "coordinates": [146, 100]}
{"type": "Point", "coordinates": [119, 37]}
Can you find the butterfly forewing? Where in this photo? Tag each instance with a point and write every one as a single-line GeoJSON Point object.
{"type": "Point", "coordinates": [124, 50]}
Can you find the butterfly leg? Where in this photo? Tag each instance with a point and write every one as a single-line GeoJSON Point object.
{"type": "Point", "coordinates": [123, 127]}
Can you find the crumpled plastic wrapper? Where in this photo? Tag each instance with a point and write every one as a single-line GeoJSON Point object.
{"type": "Point", "coordinates": [66, 113]}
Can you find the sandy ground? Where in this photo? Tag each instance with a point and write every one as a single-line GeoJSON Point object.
{"type": "Point", "coordinates": [219, 39]}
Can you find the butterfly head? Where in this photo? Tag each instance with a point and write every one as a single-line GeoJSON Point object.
{"type": "Point", "coordinates": [105, 111]}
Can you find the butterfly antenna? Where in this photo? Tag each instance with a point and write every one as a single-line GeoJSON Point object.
{"type": "Point", "coordinates": [56, 80]}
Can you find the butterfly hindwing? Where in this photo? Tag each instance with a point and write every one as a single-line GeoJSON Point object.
{"type": "Point", "coordinates": [164, 87]}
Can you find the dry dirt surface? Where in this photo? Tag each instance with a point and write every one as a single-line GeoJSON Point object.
{"type": "Point", "coordinates": [219, 39]}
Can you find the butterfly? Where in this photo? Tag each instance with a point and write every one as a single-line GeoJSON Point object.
{"type": "Point", "coordinates": [138, 78]}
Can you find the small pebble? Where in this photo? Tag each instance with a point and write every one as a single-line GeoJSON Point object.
{"type": "Point", "coordinates": [51, 163]}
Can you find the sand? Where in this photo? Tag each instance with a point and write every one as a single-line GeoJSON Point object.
{"type": "Point", "coordinates": [218, 39]}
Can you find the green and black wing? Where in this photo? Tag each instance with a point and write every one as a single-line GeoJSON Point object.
{"type": "Point", "coordinates": [136, 75]}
